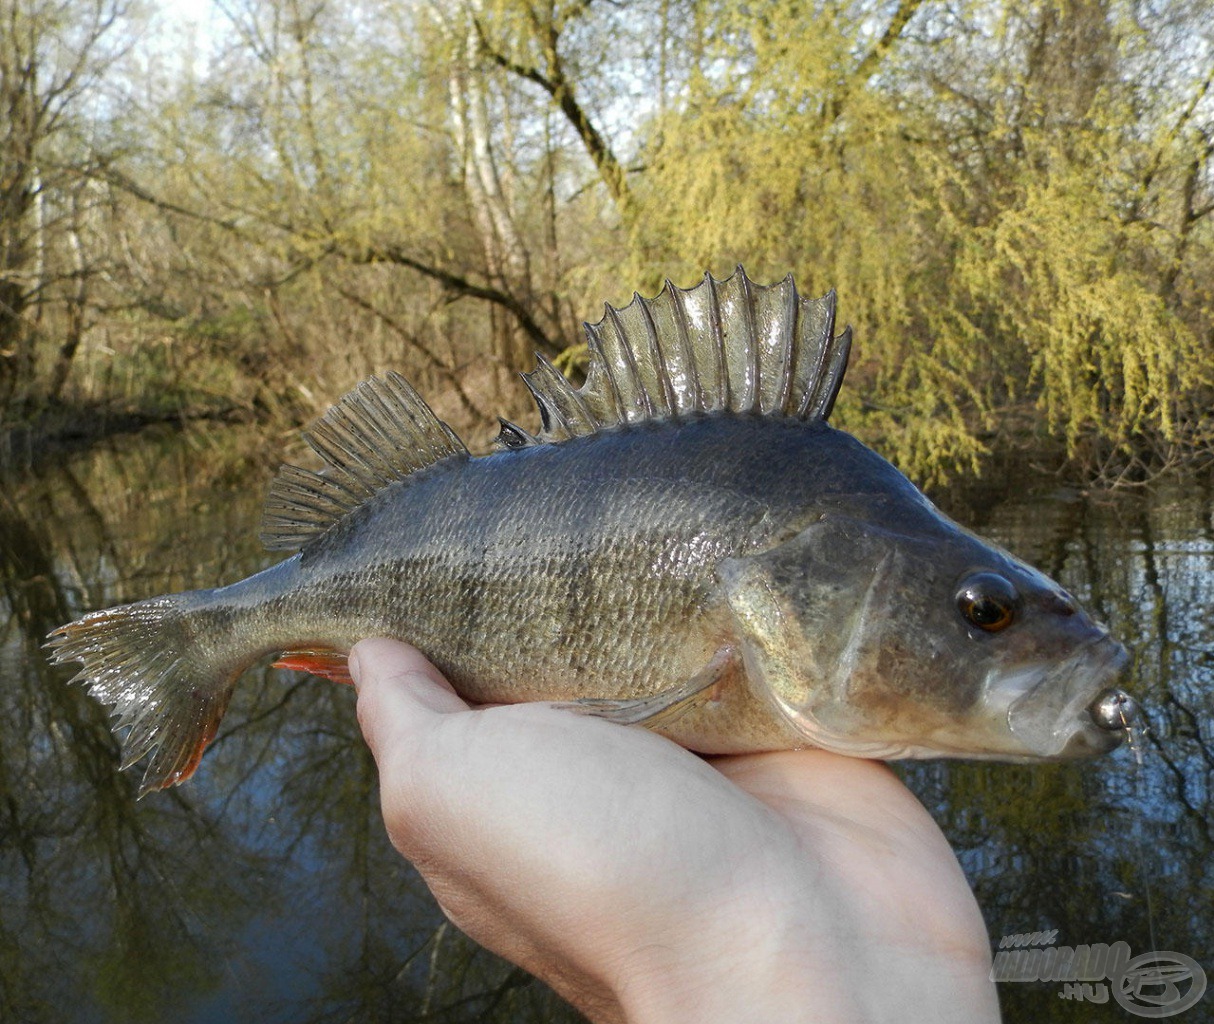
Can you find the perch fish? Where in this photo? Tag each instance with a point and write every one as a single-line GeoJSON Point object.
{"type": "Point", "coordinates": [686, 543]}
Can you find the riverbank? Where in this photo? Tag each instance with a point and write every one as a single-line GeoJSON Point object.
{"type": "Point", "coordinates": [1020, 448]}
{"type": "Point", "coordinates": [62, 429]}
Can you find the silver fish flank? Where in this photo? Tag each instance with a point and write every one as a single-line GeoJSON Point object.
{"type": "Point", "coordinates": [685, 544]}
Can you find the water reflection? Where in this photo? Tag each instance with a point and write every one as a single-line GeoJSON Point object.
{"type": "Point", "coordinates": [265, 889]}
{"type": "Point", "coordinates": [1084, 848]}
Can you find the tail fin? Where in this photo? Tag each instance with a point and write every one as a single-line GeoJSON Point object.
{"type": "Point", "coordinates": [163, 666]}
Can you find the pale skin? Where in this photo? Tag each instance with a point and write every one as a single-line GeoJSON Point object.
{"type": "Point", "coordinates": [647, 884]}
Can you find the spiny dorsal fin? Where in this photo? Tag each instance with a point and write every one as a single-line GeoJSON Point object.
{"type": "Point", "coordinates": [726, 345]}
{"type": "Point", "coordinates": [379, 433]}
{"type": "Point", "coordinates": [511, 435]}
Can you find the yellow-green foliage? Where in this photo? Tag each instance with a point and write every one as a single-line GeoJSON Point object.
{"type": "Point", "coordinates": [1013, 201]}
{"type": "Point", "coordinates": [1057, 271]}
{"type": "Point", "coordinates": [995, 256]}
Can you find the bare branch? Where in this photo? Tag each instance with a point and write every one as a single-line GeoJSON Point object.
{"type": "Point", "coordinates": [410, 338]}
{"type": "Point", "coordinates": [871, 60]}
{"type": "Point", "coordinates": [454, 283]}
{"type": "Point", "coordinates": [119, 180]}
{"type": "Point", "coordinates": [460, 287]}
{"type": "Point", "coordinates": [555, 82]}
{"type": "Point", "coordinates": [1165, 144]}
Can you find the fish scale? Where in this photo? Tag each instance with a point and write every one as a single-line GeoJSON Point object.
{"type": "Point", "coordinates": [686, 544]}
{"type": "Point", "coordinates": [515, 584]}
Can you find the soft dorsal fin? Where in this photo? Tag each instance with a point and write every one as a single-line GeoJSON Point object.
{"type": "Point", "coordinates": [378, 433]}
{"type": "Point", "coordinates": [726, 345]}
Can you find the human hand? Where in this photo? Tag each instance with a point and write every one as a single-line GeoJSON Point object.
{"type": "Point", "coordinates": [644, 883]}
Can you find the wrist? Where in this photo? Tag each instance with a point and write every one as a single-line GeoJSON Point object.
{"type": "Point", "coordinates": [797, 952]}
{"type": "Point", "coordinates": [738, 959]}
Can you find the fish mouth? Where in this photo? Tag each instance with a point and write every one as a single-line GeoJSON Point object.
{"type": "Point", "coordinates": [1059, 717]}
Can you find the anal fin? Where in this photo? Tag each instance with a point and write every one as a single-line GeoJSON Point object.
{"type": "Point", "coordinates": [324, 662]}
{"type": "Point", "coordinates": [662, 708]}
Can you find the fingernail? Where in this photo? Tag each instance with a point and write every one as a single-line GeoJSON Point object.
{"type": "Point", "coordinates": [355, 667]}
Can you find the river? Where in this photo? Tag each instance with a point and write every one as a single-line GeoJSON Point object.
{"type": "Point", "coordinates": [265, 889]}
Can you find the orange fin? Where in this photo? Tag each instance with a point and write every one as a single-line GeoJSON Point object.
{"type": "Point", "coordinates": [167, 692]}
{"type": "Point", "coordinates": [327, 662]}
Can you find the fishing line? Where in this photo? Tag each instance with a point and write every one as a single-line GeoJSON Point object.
{"type": "Point", "coordinates": [1137, 736]}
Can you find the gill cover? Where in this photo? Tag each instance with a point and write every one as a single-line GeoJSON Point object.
{"type": "Point", "coordinates": [811, 612]}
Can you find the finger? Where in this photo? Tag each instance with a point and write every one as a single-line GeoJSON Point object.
{"type": "Point", "coordinates": [399, 691]}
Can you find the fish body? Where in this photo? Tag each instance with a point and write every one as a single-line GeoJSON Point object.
{"type": "Point", "coordinates": [687, 544]}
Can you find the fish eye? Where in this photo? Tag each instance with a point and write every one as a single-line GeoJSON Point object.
{"type": "Point", "coordinates": [988, 601]}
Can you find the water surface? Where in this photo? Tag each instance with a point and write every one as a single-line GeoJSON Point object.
{"type": "Point", "coordinates": [265, 890]}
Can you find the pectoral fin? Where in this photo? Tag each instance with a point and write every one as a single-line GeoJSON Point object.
{"type": "Point", "coordinates": [661, 708]}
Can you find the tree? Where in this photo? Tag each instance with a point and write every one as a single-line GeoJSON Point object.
{"type": "Point", "coordinates": [985, 191]}
{"type": "Point", "coordinates": [53, 55]}
{"type": "Point", "coordinates": [1014, 202]}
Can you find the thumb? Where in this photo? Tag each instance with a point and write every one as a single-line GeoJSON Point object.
{"type": "Point", "coordinates": [399, 692]}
